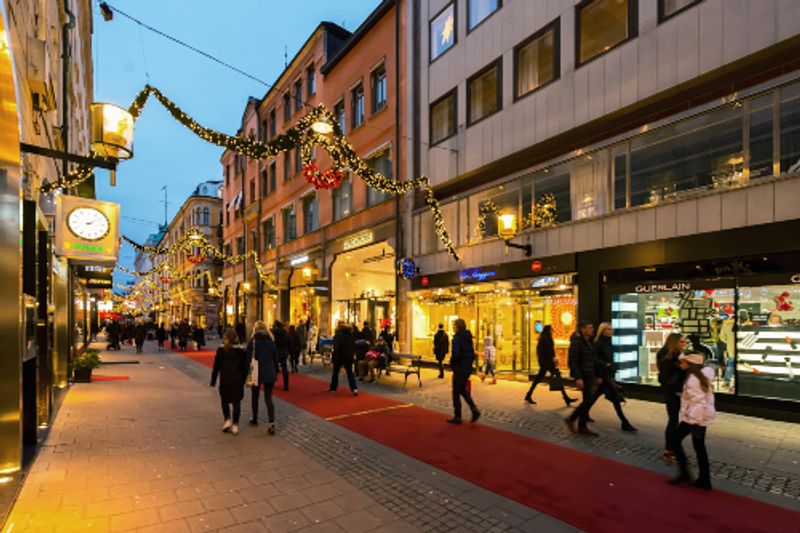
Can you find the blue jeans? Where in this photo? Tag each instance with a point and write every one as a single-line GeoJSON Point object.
{"type": "Point", "coordinates": [489, 368]}
{"type": "Point", "coordinates": [351, 378]}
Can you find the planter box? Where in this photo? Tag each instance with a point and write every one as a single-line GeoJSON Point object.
{"type": "Point", "coordinates": [82, 375]}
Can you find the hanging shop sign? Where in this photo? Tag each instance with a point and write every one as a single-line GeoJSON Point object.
{"type": "Point", "coordinates": [86, 229]}
{"type": "Point", "coordinates": [358, 240]}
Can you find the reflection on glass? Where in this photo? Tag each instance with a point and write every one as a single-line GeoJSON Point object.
{"type": "Point", "coordinates": [761, 136]}
{"type": "Point", "coordinates": [670, 7]}
{"type": "Point", "coordinates": [484, 95]}
{"type": "Point", "coordinates": [535, 62]}
{"type": "Point", "coordinates": [443, 32]}
{"type": "Point", "coordinates": [479, 10]}
{"type": "Point", "coordinates": [603, 25]}
{"type": "Point", "coordinates": [790, 126]}
{"type": "Point", "coordinates": [443, 118]}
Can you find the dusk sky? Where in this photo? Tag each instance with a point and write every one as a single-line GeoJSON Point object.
{"type": "Point", "coordinates": [251, 35]}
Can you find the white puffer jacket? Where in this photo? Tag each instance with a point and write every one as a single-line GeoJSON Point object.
{"type": "Point", "coordinates": [697, 407]}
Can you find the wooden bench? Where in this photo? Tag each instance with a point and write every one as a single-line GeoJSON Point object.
{"type": "Point", "coordinates": [407, 363]}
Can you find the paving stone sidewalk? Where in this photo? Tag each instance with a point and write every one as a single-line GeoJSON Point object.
{"type": "Point", "coordinates": [147, 454]}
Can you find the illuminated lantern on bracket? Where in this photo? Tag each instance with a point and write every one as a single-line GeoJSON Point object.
{"type": "Point", "coordinates": [111, 133]}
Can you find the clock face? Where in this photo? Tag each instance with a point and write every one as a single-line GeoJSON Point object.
{"type": "Point", "coordinates": [88, 223]}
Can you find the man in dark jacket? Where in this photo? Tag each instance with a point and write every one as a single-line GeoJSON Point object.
{"type": "Point", "coordinates": [583, 367]}
{"type": "Point", "coordinates": [462, 357]}
{"type": "Point", "coordinates": [282, 345]}
{"type": "Point", "coordinates": [441, 345]}
{"type": "Point", "coordinates": [344, 346]}
{"type": "Point", "coordinates": [368, 334]}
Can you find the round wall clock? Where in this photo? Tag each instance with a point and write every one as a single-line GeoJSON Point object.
{"type": "Point", "coordinates": [88, 223]}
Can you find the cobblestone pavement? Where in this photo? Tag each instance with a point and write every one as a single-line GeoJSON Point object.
{"type": "Point", "coordinates": [750, 456]}
{"type": "Point", "coordinates": [147, 454]}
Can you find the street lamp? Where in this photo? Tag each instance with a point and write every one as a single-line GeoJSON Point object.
{"type": "Point", "coordinates": [111, 133]}
{"type": "Point", "coordinates": [507, 230]}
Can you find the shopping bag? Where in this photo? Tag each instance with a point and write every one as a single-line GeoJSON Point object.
{"type": "Point", "coordinates": [252, 376]}
{"type": "Point", "coordinates": [555, 382]}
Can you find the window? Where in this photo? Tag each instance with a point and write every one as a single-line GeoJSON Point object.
{"type": "Point", "coordinates": [206, 220]}
{"type": "Point", "coordinates": [536, 61]}
{"type": "Point", "coordinates": [790, 126]}
{"type": "Point", "coordinates": [479, 10]}
{"type": "Point", "coordinates": [287, 167]}
{"type": "Point", "coordinates": [262, 133]}
{"type": "Point", "coordinates": [298, 161]}
{"type": "Point", "coordinates": [264, 183]}
{"type": "Point", "coordinates": [339, 113]}
{"type": "Point", "coordinates": [357, 99]}
{"type": "Point", "coordinates": [670, 8]}
{"type": "Point", "coordinates": [273, 176]}
{"type": "Point", "coordinates": [761, 138]}
{"type": "Point", "coordinates": [240, 245]}
{"type": "Point", "coordinates": [443, 31]}
{"type": "Point", "coordinates": [378, 82]}
{"type": "Point", "coordinates": [289, 224]}
{"type": "Point", "coordinates": [343, 199]}
{"type": "Point", "coordinates": [443, 117]}
{"type": "Point", "coordinates": [298, 94]}
{"type": "Point", "coordinates": [310, 213]}
{"type": "Point", "coordinates": [227, 175]}
{"type": "Point", "coordinates": [311, 80]}
{"type": "Point", "coordinates": [602, 25]}
{"type": "Point", "coordinates": [252, 191]}
{"type": "Point", "coordinates": [484, 93]}
{"type": "Point", "coordinates": [227, 214]}
{"type": "Point", "coordinates": [268, 234]}
{"type": "Point", "coordinates": [383, 164]}
{"type": "Point", "coordinates": [287, 106]}
{"type": "Point", "coordinates": [272, 124]}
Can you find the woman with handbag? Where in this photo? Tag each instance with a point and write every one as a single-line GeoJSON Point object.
{"type": "Point", "coordinates": [231, 365]}
{"type": "Point", "coordinates": [546, 354]}
{"type": "Point", "coordinates": [263, 355]}
{"type": "Point", "coordinates": [606, 371]}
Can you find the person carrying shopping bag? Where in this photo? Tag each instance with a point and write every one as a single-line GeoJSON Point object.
{"type": "Point", "coordinates": [263, 355]}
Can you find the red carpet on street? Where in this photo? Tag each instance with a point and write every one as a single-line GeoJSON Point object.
{"type": "Point", "coordinates": [99, 377]}
{"type": "Point", "coordinates": [589, 492]}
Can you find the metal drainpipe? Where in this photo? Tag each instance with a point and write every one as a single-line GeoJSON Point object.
{"type": "Point", "coordinates": [398, 229]}
{"type": "Point", "coordinates": [65, 57]}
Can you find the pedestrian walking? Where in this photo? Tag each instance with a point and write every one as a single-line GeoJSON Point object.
{"type": "Point", "coordinates": [311, 338]}
{"type": "Point", "coordinates": [199, 337]}
{"type": "Point", "coordinates": [240, 330]}
{"type": "Point", "coordinates": [343, 356]}
{"type": "Point", "coordinates": [302, 331]}
{"type": "Point", "coordinates": [231, 365]}
{"type": "Point", "coordinates": [161, 336]}
{"type": "Point", "coordinates": [489, 358]}
{"type": "Point", "coordinates": [261, 348]}
{"type": "Point", "coordinates": [113, 335]}
{"type": "Point", "coordinates": [583, 367]}
{"type": "Point", "coordinates": [173, 334]}
{"type": "Point", "coordinates": [606, 371]}
{"type": "Point", "coordinates": [462, 357]}
{"type": "Point", "coordinates": [441, 345]}
{"type": "Point", "coordinates": [295, 346]}
{"type": "Point", "coordinates": [548, 364]}
{"type": "Point", "coordinates": [282, 345]}
{"type": "Point", "coordinates": [183, 334]}
{"type": "Point", "coordinates": [696, 414]}
{"type": "Point", "coordinates": [671, 377]}
{"type": "Point", "coordinates": [139, 334]}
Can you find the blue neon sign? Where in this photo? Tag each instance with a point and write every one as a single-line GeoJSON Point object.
{"type": "Point", "coordinates": [476, 274]}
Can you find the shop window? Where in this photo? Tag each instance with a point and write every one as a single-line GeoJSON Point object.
{"type": "Point", "coordinates": [289, 224]}
{"type": "Point", "coordinates": [670, 8]}
{"type": "Point", "coordinates": [484, 93]}
{"type": "Point", "coordinates": [602, 25]}
{"type": "Point", "coordinates": [298, 94]}
{"type": "Point", "coordinates": [552, 199]}
{"type": "Point", "coordinates": [357, 105]}
{"type": "Point", "coordinates": [768, 342]}
{"type": "Point", "coordinates": [695, 153]}
{"type": "Point", "coordinates": [487, 206]}
{"type": "Point", "coordinates": [382, 164]}
{"type": "Point", "coordinates": [311, 81]}
{"type": "Point", "coordinates": [790, 127]}
{"type": "Point", "coordinates": [310, 213]}
{"type": "Point", "coordinates": [761, 138]}
{"type": "Point", "coordinates": [620, 178]}
{"type": "Point", "coordinates": [343, 199]}
{"type": "Point", "coordinates": [443, 117]}
{"type": "Point", "coordinates": [341, 117]}
{"type": "Point", "coordinates": [268, 233]}
{"type": "Point", "coordinates": [480, 10]}
{"type": "Point", "coordinates": [443, 31]}
{"type": "Point", "coordinates": [378, 83]}
{"type": "Point", "coordinates": [536, 61]}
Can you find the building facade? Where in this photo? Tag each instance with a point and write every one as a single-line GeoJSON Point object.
{"type": "Point", "coordinates": [190, 288]}
{"type": "Point", "coordinates": [331, 254]}
{"type": "Point", "coordinates": [647, 151]}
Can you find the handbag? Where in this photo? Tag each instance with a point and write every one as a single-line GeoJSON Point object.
{"type": "Point", "coordinates": [555, 381]}
{"type": "Point", "coordinates": [252, 375]}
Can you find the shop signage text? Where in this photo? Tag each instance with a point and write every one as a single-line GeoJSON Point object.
{"type": "Point", "coordinates": [545, 281]}
{"type": "Point", "coordinates": [476, 274]}
{"type": "Point", "coordinates": [664, 287]}
{"type": "Point", "coordinates": [358, 240]}
{"type": "Point", "coordinates": [299, 260]}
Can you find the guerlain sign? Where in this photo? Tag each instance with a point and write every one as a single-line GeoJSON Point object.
{"type": "Point", "coordinates": [664, 287]}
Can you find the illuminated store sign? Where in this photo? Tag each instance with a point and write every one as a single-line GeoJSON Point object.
{"type": "Point", "coordinates": [298, 260]}
{"type": "Point", "coordinates": [358, 240]}
{"type": "Point", "coordinates": [476, 274]}
{"type": "Point", "coordinates": [664, 287]}
{"type": "Point", "coordinates": [86, 229]}
{"type": "Point", "coordinates": [545, 281]}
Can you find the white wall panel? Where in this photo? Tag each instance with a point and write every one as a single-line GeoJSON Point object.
{"type": "Point", "coordinates": [666, 221]}
{"type": "Point", "coordinates": [686, 218]}
{"type": "Point", "coordinates": [645, 225]}
{"type": "Point", "coordinates": [610, 231]}
{"type": "Point", "coordinates": [787, 200]}
{"type": "Point", "coordinates": [709, 214]}
{"type": "Point", "coordinates": [627, 228]}
{"type": "Point", "coordinates": [760, 205]}
{"type": "Point", "coordinates": [734, 209]}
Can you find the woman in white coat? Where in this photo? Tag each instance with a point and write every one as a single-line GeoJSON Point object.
{"type": "Point", "coordinates": [697, 413]}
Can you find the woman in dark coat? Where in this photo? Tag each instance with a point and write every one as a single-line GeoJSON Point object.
{"type": "Point", "coordinates": [441, 345]}
{"type": "Point", "coordinates": [231, 364]}
{"type": "Point", "coordinates": [344, 349]}
{"type": "Point", "coordinates": [199, 337]}
{"type": "Point", "coordinates": [462, 357]}
{"type": "Point", "coordinates": [262, 348]}
{"type": "Point", "coordinates": [546, 354]}
{"type": "Point", "coordinates": [139, 334]}
{"type": "Point", "coordinates": [282, 345]}
{"type": "Point", "coordinates": [295, 344]}
{"type": "Point", "coordinates": [161, 336]}
{"type": "Point", "coordinates": [671, 378]}
{"type": "Point", "coordinates": [606, 371]}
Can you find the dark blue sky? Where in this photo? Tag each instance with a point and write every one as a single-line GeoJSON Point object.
{"type": "Point", "coordinates": [249, 34]}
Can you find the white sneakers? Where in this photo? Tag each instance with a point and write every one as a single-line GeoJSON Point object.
{"type": "Point", "coordinates": [227, 425]}
{"type": "Point", "coordinates": [235, 429]}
